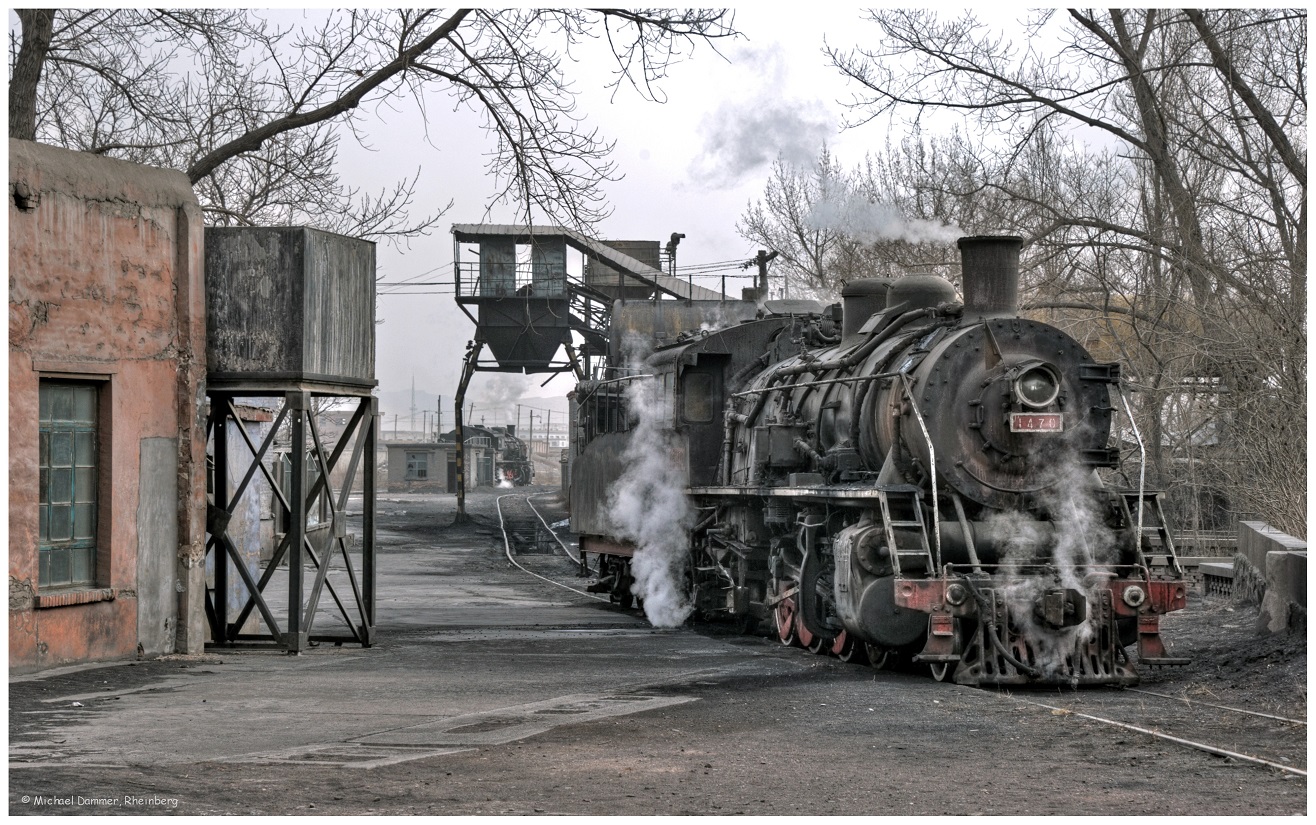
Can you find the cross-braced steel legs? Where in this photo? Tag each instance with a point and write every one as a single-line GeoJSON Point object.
{"type": "Point", "coordinates": [289, 624]}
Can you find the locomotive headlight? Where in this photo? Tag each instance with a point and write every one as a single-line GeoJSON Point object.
{"type": "Point", "coordinates": [1037, 386]}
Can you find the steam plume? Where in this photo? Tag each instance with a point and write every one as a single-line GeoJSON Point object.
{"type": "Point", "coordinates": [500, 393]}
{"type": "Point", "coordinates": [856, 216]}
{"type": "Point", "coordinates": [760, 126]}
{"type": "Point", "coordinates": [1077, 544]}
{"type": "Point", "coordinates": [648, 506]}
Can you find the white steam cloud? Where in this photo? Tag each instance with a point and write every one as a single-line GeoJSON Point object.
{"type": "Point", "coordinates": [499, 394]}
{"type": "Point", "coordinates": [1078, 540]}
{"type": "Point", "coordinates": [742, 138]}
{"type": "Point", "coordinates": [760, 125]}
{"type": "Point", "coordinates": [855, 216]}
{"type": "Point", "coordinates": [648, 507]}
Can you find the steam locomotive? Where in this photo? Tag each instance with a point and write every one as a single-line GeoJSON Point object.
{"type": "Point", "coordinates": [511, 463]}
{"type": "Point", "coordinates": [903, 477]}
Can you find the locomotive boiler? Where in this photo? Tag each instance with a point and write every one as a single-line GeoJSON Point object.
{"type": "Point", "coordinates": [908, 475]}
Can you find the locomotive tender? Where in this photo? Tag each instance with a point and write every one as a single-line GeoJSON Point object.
{"type": "Point", "coordinates": [902, 476]}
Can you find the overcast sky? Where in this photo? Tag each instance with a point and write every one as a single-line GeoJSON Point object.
{"type": "Point", "coordinates": [691, 165]}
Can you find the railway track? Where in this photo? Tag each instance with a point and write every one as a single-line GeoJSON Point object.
{"type": "Point", "coordinates": [1266, 740]}
{"type": "Point", "coordinates": [526, 532]}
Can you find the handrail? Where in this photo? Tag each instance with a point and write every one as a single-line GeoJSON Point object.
{"type": "Point", "coordinates": [932, 460]}
{"type": "Point", "coordinates": [1142, 468]}
{"type": "Point", "coordinates": [1142, 462]}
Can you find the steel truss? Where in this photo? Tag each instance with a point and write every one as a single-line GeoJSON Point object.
{"type": "Point", "coordinates": [289, 623]}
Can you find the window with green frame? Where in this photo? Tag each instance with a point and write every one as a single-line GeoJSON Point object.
{"type": "Point", "coordinates": [418, 466]}
{"type": "Point", "coordinates": [68, 479]}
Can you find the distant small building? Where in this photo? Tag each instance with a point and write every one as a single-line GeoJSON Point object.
{"type": "Point", "coordinates": [431, 467]}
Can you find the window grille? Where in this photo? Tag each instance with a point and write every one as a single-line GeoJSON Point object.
{"type": "Point", "coordinates": [68, 479]}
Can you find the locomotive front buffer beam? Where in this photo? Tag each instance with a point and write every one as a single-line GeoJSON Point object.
{"type": "Point", "coordinates": [953, 597]}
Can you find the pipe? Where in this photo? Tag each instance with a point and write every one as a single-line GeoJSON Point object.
{"type": "Point", "coordinates": [967, 530]}
{"type": "Point", "coordinates": [806, 449]}
{"type": "Point", "coordinates": [876, 337]}
{"type": "Point", "coordinates": [932, 462]}
{"type": "Point", "coordinates": [988, 628]}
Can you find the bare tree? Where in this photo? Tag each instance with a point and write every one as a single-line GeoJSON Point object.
{"type": "Point", "coordinates": [253, 111]}
{"type": "Point", "coordinates": [831, 226]}
{"type": "Point", "coordinates": [786, 221]}
{"type": "Point", "coordinates": [1155, 162]}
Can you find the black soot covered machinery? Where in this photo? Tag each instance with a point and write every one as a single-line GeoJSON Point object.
{"type": "Point", "coordinates": [904, 476]}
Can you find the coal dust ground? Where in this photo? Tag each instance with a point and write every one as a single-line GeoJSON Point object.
{"type": "Point", "coordinates": [492, 693]}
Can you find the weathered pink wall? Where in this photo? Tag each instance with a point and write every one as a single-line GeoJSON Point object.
{"type": "Point", "coordinates": [105, 281]}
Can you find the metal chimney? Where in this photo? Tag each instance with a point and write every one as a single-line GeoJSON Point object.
{"type": "Point", "coordinates": [990, 268]}
{"type": "Point", "coordinates": [861, 299]}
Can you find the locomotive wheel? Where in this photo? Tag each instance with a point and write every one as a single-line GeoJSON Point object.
{"type": "Point", "coordinates": [940, 670]}
{"type": "Point", "coordinates": [784, 617]}
{"type": "Point", "coordinates": [819, 645]}
{"type": "Point", "coordinates": [804, 635]}
{"type": "Point", "coordinates": [879, 658]}
{"type": "Point", "coordinates": [845, 648]}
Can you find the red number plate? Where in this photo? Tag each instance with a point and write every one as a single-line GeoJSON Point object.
{"type": "Point", "coordinates": [1036, 423]}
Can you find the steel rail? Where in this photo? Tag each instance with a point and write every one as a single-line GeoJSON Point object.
{"type": "Point", "coordinates": [507, 547]}
{"type": "Point", "coordinates": [1188, 701]}
{"type": "Point", "coordinates": [1201, 746]}
{"type": "Point", "coordinates": [551, 531]}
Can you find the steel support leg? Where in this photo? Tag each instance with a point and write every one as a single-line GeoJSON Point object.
{"type": "Point", "coordinates": [468, 369]}
{"type": "Point", "coordinates": [299, 404]}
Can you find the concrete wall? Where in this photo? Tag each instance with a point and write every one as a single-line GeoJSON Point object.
{"type": "Point", "coordinates": [105, 285]}
{"type": "Point", "coordinates": [1281, 561]}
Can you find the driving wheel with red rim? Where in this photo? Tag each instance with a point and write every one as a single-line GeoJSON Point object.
{"type": "Point", "coordinates": [848, 649]}
{"type": "Point", "coordinates": [784, 617]}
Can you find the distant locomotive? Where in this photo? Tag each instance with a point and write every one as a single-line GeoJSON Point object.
{"type": "Point", "coordinates": [905, 476]}
{"type": "Point", "coordinates": [512, 464]}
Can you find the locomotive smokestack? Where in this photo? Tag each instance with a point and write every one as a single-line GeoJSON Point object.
{"type": "Point", "coordinates": [990, 266]}
{"type": "Point", "coordinates": [861, 299]}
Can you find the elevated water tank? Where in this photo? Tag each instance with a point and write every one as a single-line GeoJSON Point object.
{"type": "Point", "coordinates": [289, 308]}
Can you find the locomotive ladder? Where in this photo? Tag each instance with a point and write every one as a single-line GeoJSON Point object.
{"type": "Point", "coordinates": [902, 512]}
{"type": "Point", "coordinates": [1155, 530]}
